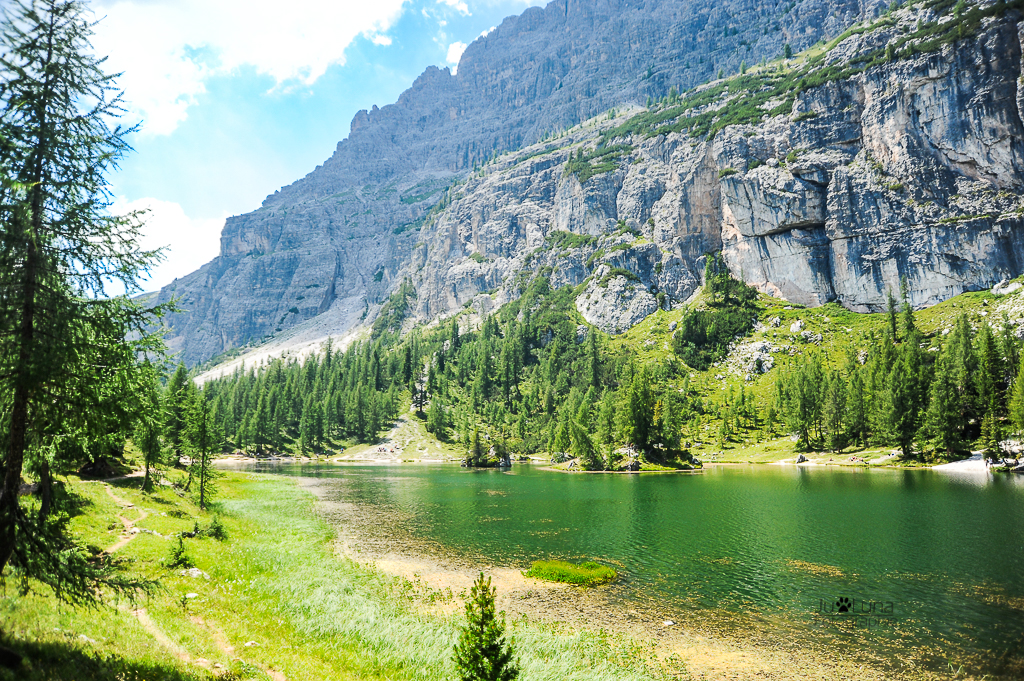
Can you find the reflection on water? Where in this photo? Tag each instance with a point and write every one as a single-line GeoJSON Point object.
{"type": "Point", "coordinates": [929, 566]}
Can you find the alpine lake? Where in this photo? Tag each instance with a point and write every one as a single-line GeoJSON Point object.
{"type": "Point", "coordinates": [899, 568]}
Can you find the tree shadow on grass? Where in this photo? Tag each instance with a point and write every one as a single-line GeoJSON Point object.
{"type": "Point", "coordinates": [55, 661]}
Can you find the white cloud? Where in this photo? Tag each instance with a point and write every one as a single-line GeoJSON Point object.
{"type": "Point", "coordinates": [381, 40]}
{"type": "Point", "coordinates": [457, 5]}
{"type": "Point", "coordinates": [487, 32]}
{"type": "Point", "coordinates": [168, 49]}
{"type": "Point", "coordinates": [455, 51]}
{"type": "Point", "coordinates": [191, 242]}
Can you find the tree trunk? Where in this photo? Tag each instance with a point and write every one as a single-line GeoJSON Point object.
{"type": "Point", "coordinates": [18, 443]}
{"type": "Point", "coordinates": [46, 492]}
{"type": "Point", "coordinates": [15, 459]}
{"type": "Point", "coordinates": [202, 481]}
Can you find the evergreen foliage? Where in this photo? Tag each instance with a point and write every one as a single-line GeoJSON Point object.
{"type": "Point", "coordinates": [703, 336]}
{"type": "Point", "coordinates": [203, 441]}
{"type": "Point", "coordinates": [312, 406]}
{"type": "Point", "coordinates": [148, 433]}
{"type": "Point", "coordinates": [929, 400]}
{"type": "Point", "coordinates": [73, 378]}
{"type": "Point", "coordinates": [482, 653]}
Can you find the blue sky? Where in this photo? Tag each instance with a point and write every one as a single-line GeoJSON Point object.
{"type": "Point", "coordinates": [237, 98]}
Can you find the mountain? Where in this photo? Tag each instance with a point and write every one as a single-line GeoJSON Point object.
{"type": "Point", "coordinates": [893, 151]}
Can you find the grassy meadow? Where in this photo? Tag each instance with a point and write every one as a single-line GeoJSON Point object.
{"type": "Point", "coordinates": [278, 603]}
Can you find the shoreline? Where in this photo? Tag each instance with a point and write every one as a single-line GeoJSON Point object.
{"type": "Point", "coordinates": [705, 653]}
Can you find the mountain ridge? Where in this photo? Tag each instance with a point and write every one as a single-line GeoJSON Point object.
{"type": "Point", "coordinates": [348, 240]}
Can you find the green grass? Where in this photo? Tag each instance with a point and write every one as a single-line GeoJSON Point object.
{"type": "Point", "coordinates": [579, 574]}
{"type": "Point", "coordinates": [276, 581]}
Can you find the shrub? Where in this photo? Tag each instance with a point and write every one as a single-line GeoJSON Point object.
{"type": "Point", "coordinates": [582, 574]}
{"type": "Point", "coordinates": [569, 240]}
{"type": "Point", "coordinates": [726, 172]}
{"type": "Point", "coordinates": [617, 272]}
{"type": "Point", "coordinates": [217, 529]}
{"type": "Point", "coordinates": [703, 336]}
{"type": "Point", "coordinates": [805, 115]}
{"type": "Point", "coordinates": [178, 556]}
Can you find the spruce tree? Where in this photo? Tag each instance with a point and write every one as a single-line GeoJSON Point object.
{"type": "Point", "coordinates": [174, 400]}
{"type": "Point", "coordinates": [69, 351]}
{"type": "Point", "coordinates": [890, 311]}
{"type": "Point", "coordinates": [941, 426]}
{"type": "Point", "coordinates": [584, 449]}
{"type": "Point", "coordinates": [990, 370]}
{"type": "Point", "coordinates": [1016, 403]}
{"type": "Point", "coordinates": [476, 450]}
{"type": "Point", "coordinates": [857, 409]}
{"type": "Point", "coordinates": [901, 411]}
{"type": "Point", "coordinates": [638, 415]}
{"type": "Point", "coordinates": [436, 420]}
{"type": "Point", "coordinates": [482, 653]}
{"type": "Point", "coordinates": [203, 441]}
{"type": "Point", "coordinates": [834, 412]}
{"type": "Point", "coordinates": [147, 434]}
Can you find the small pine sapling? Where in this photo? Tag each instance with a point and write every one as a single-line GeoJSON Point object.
{"type": "Point", "coordinates": [482, 654]}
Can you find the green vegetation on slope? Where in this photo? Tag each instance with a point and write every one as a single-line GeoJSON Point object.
{"type": "Point", "coordinates": [931, 398]}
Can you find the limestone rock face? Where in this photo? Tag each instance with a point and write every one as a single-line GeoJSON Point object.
{"type": "Point", "coordinates": [912, 168]}
{"type": "Point", "coordinates": [615, 305]}
{"type": "Point", "coordinates": [348, 227]}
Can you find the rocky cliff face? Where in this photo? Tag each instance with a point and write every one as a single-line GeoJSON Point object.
{"type": "Point", "coordinates": [912, 168]}
{"type": "Point", "coordinates": [894, 152]}
{"type": "Point", "coordinates": [338, 237]}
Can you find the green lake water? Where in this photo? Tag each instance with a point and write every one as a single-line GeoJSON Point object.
{"type": "Point", "coordinates": [932, 563]}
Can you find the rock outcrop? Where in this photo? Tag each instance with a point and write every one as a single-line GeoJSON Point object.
{"type": "Point", "coordinates": [912, 170]}
{"type": "Point", "coordinates": [344, 231]}
{"type": "Point", "coordinates": [890, 155]}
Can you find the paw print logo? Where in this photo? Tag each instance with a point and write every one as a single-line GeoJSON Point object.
{"type": "Point", "coordinates": [844, 604]}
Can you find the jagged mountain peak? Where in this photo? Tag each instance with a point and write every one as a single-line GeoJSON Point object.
{"type": "Point", "coordinates": [384, 208]}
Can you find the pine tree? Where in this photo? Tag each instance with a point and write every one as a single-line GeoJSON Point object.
{"type": "Point", "coordinates": [482, 654]}
{"type": "Point", "coordinates": [941, 426]}
{"type": "Point", "coordinates": [147, 434]}
{"type": "Point", "coordinates": [1017, 399]}
{"type": "Point", "coordinates": [583, 448]}
{"type": "Point", "coordinates": [69, 351]}
{"type": "Point", "coordinates": [203, 442]}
